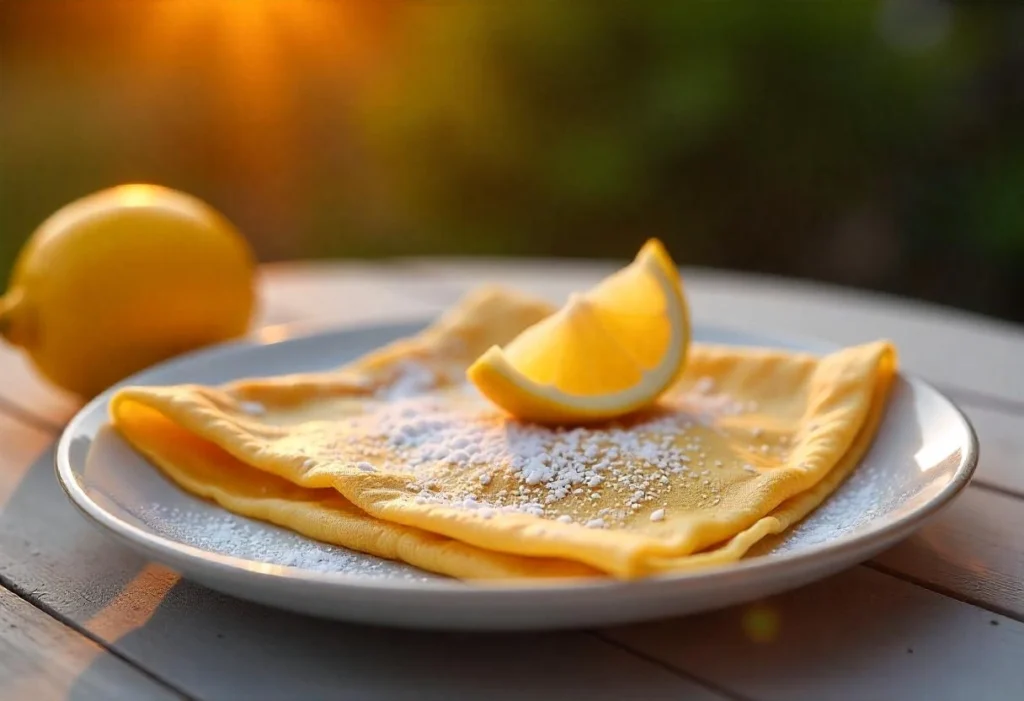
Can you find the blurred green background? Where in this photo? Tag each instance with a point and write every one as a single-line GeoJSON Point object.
{"type": "Point", "coordinates": [878, 144]}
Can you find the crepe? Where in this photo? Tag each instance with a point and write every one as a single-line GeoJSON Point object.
{"type": "Point", "coordinates": [396, 455]}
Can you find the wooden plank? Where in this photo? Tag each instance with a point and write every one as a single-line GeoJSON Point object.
{"type": "Point", "coordinates": [1001, 436]}
{"type": "Point", "coordinates": [40, 658]}
{"type": "Point", "coordinates": [973, 550]}
{"type": "Point", "coordinates": [859, 635]}
{"type": "Point", "coordinates": [213, 646]}
{"type": "Point", "coordinates": [25, 388]}
{"type": "Point", "coordinates": [340, 293]}
{"type": "Point", "coordinates": [22, 445]}
{"type": "Point", "coordinates": [984, 351]}
{"type": "Point", "coordinates": [552, 279]}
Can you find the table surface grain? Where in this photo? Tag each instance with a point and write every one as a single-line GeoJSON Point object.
{"type": "Point", "coordinates": [938, 616]}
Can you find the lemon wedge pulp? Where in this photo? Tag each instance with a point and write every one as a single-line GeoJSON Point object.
{"type": "Point", "coordinates": [608, 352]}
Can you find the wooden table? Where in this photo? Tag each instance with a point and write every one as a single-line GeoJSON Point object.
{"type": "Point", "coordinates": [940, 616]}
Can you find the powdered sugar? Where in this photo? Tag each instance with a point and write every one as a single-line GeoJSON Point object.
{"type": "Point", "coordinates": [871, 491]}
{"type": "Point", "coordinates": [206, 527]}
{"type": "Point", "coordinates": [621, 467]}
{"type": "Point", "coordinates": [410, 380]}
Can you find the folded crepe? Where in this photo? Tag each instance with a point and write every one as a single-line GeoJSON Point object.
{"type": "Point", "coordinates": [396, 455]}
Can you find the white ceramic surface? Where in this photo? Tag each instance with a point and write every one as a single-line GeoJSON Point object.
{"type": "Point", "coordinates": [924, 454]}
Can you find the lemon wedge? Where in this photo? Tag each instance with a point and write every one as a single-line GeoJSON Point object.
{"type": "Point", "coordinates": [608, 352]}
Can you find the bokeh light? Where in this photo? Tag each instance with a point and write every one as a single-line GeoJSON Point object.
{"type": "Point", "coordinates": [873, 144]}
{"type": "Point", "coordinates": [761, 623]}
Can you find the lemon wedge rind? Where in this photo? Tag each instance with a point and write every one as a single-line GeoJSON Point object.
{"type": "Point", "coordinates": [498, 379]}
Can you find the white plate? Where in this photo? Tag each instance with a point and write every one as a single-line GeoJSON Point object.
{"type": "Point", "coordinates": [924, 454]}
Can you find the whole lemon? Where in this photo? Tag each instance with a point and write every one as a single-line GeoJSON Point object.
{"type": "Point", "coordinates": [124, 278]}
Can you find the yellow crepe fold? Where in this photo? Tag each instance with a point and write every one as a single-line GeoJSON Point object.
{"type": "Point", "coordinates": [395, 455]}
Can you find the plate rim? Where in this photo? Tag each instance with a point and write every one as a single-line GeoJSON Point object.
{"type": "Point", "coordinates": [171, 552]}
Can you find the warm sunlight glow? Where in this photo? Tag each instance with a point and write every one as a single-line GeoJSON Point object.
{"type": "Point", "coordinates": [254, 39]}
{"type": "Point", "coordinates": [931, 456]}
{"type": "Point", "coordinates": [136, 195]}
{"type": "Point", "coordinates": [254, 67]}
{"type": "Point", "coordinates": [274, 334]}
{"type": "Point", "coordinates": [134, 605]}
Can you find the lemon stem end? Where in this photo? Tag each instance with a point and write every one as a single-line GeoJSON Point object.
{"type": "Point", "coordinates": [12, 326]}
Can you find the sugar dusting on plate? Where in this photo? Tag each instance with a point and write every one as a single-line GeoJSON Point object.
{"type": "Point", "coordinates": [867, 494]}
{"type": "Point", "coordinates": [213, 530]}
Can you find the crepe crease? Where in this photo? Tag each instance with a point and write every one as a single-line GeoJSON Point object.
{"type": "Point", "coordinates": [749, 442]}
